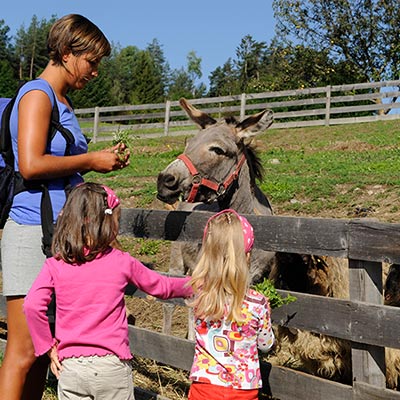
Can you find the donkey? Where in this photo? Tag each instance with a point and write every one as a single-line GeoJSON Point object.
{"type": "Point", "coordinates": [224, 176]}
{"type": "Point", "coordinates": [219, 169]}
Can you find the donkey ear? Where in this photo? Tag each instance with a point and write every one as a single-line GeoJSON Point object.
{"type": "Point", "coordinates": [255, 124]}
{"type": "Point", "coordinates": [197, 116]}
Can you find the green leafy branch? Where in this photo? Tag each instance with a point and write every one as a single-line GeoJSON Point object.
{"type": "Point", "coordinates": [122, 137]}
{"type": "Point", "coordinates": [267, 288]}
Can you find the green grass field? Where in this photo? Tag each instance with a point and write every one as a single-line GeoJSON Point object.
{"type": "Point", "coordinates": [341, 171]}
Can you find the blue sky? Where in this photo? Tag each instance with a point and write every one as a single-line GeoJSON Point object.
{"type": "Point", "coordinates": [213, 29]}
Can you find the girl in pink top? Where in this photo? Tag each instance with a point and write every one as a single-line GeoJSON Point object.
{"type": "Point", "coordinates": [232, 321]}
{"type": "Point", "coordinates": [90, 353]}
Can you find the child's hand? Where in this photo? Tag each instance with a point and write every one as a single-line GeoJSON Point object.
{"type": "Point", "coordinates": [55, 364]}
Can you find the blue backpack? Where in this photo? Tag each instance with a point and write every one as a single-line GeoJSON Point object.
{"type": "Point", "coordinates": [11, 181]}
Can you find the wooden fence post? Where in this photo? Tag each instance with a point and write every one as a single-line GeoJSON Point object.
{"type": "Point", "coordinates": [242, 106]}
{"type": "Point", "coordinates": [167, 116]}
{"type": "Point", "coordinates": [96, 123]}
{"type": "Point", "coordinates": [328, 105]}
{"type": "Point", "coordinates": [368, 362]}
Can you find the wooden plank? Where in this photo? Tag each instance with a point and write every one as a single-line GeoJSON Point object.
{"type": "Point", "coordinates": [141, 394]}
{"type": "Point", "coordinates": [368, 361]}
{"type": "Point", "coordinates": [319, 236]}
{"type": "Point", "coordinates": [350, 320]}
{"type": "Point", "coordinates": [360, 239]}
{"type": "Point", "coordinates": [287, 384]}
{"type": "Point", "coordinates": [356, 321]}
{"type": "Point", "coordinates": [370, 240]}
{"type": "Point", "coordinates": [363, 391]}
{"type": "Point", "coordinates": [316, 236]}
{"type": "Point", "coordinates": [168, 350]}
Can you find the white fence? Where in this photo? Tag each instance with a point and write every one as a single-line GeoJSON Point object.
{"type": "Point", "coordinates": [330, 105]}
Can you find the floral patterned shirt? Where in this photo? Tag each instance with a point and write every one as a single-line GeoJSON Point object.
{"type": "Point", "coordinates": [226, 352]}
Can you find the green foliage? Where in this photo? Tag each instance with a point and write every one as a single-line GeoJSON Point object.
{"type": "Point", "coordinates": [363, 34]}
{"type": "Point", "coordinates": [122, 136]}
{"type": "Point", "coordinates": [267, 288]}
{"type": "Point", "coordinates": [31, 47]}
{"type": "Point", "coordinates": [148, 247]}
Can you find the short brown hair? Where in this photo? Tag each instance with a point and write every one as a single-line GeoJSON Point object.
{"type": "Point", "coordinates": [75, 34]}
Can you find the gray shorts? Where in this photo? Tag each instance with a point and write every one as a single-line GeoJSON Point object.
{"type": "Point", "coordinates": [99, 378]}
{"type": "Point", "coordinates": [21, 257]}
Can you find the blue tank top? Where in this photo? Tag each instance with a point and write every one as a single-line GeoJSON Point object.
{"type": "Point", "coordinates": [26, 205]}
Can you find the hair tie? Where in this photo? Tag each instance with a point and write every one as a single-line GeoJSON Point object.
{"type": "Point", "coordinates": [248, 232]}
{"type": "Point", "coordinates": [112, 200]}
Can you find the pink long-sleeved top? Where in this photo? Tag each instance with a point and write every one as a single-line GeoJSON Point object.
{"type": "Point", "coordinates": [90, 307]}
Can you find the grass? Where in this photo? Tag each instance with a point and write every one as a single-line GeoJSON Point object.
{"type": "Point", "coordinates": [317, 171]}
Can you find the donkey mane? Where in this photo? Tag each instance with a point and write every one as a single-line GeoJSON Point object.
{"type": "Point", "coordinates": [254, 163]}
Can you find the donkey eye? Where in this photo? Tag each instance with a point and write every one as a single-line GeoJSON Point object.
{"type": "Point", "coordinates": [217, 150]}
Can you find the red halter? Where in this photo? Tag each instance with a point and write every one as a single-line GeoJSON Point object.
{"type": "Point", "coordinates": [198, 180]}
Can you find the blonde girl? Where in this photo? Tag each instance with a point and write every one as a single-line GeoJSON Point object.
{"type": "Point", "coordinates": [231, 320]}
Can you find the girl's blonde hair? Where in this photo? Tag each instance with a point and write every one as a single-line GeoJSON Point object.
{"type": "Point", "coordinates": [221, 277]}
{"type": "Point", "coordinates": [84, 228]}
{"type": "Point", "coordinates": [75, 34]}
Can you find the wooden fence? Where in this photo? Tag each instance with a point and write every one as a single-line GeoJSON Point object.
{"type": "Point", "coordinates": [362, 319]}
{"type": "Point", "coordinates": [330, 105]}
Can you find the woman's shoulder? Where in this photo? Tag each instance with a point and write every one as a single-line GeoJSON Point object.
{"type": "Point", "coordinates": [37, 84]}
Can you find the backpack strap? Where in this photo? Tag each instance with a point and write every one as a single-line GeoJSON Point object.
{"type": "Point", "coordinates": [46, 209]}
{"type": "Point", "coordinates": [20, 184]}
{"type": "Point", "coordinates": [5, 136]}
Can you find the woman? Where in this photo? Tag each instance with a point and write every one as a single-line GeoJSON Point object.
{"type": "Point", "coordinates": [76, 47]}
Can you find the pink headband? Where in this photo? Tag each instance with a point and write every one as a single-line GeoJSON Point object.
{"type": "Point", "coordinates": [248, 231]}
{"type": "Point", "coordinates": [112, 200]}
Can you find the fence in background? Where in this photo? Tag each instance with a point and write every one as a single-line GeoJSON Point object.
{"type": "Point", "coordinates": [330, 105]}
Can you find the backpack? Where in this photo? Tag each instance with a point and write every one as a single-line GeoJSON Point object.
{"type": "Point", "coordinates": [11, 181]}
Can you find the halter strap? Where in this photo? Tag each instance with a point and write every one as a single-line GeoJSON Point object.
{"type": "Point", "coordinates": [198, 180]}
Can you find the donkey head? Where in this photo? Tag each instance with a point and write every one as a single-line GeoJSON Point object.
{"type": "Point", "coordinates": [213, 159]}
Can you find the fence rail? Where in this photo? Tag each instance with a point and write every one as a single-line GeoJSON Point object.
{"type": "Point", "coordinates": [363, 319]}
{"type": "Point", "coordinates": [330, 105]}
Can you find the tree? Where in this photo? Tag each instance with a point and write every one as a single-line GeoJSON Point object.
{"type": "Point", "coordinates": [147, 85]}
{"type": "Point", "coordinates": [8, 81]}
{"type": "Point", "coordinates": [249, 60]}
{"type": "Point", "coordinates": [183, 80]}
{"type": "Point", "coordinates": [181, 85]}
{"type": "Point", "coordinates": [363, 33]}
{"type": "Point", "coordinates": [123, 73]}
{"type": "Point", "coordinates": [31, 47]}
{"type": "Point", "coordinates": [290, 66]}
{"type": "Point", "coordinates": [160, 63]}
{"type": "Point", "coordinates": [97, 93]}
{"type": "Point", "coordinates": [224, 80]}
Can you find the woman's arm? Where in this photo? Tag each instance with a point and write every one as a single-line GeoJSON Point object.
{"type": "Point", "coordinates": [34, 113]}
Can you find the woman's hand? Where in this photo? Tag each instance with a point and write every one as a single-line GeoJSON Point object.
{"type": "Point", "coordinates": [55, 364]}
{"type": "Point", "coordinates": [110, 159]}
{"type": "Point", "coordinates": [123, 153]}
